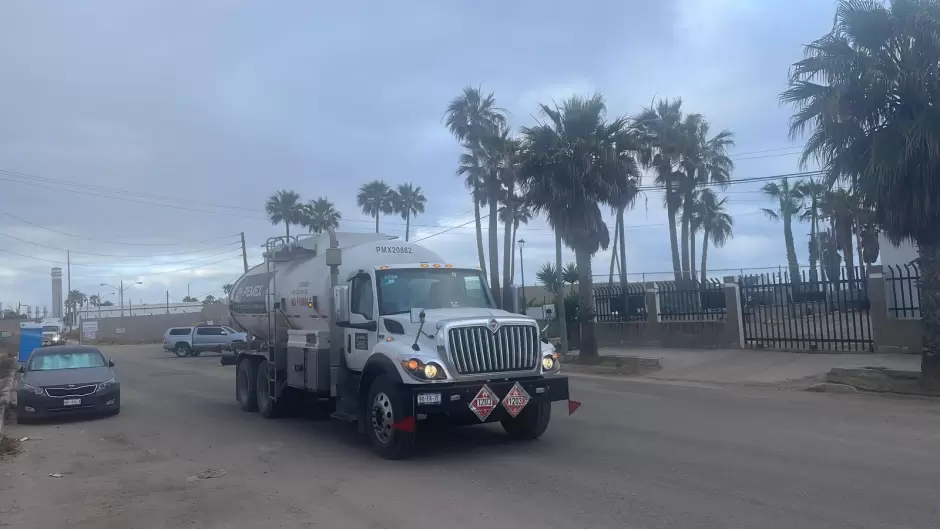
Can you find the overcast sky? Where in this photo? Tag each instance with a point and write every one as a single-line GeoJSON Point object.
{"type": "Point", "coordinates": [110, 107]}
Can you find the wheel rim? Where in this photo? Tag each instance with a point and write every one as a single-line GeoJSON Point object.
{"type": "Point", "coordinates": [181, 351]}
{"type": "Point", "coordinates": [383, 416]}
{"type": "Point", "coordinates": [243, 385]}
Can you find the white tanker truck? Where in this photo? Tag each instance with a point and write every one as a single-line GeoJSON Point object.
{"type": "Point", "coordinates": [388, 334]}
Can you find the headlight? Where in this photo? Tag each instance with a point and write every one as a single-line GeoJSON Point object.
{"type": "Point", "coordinates": [428, 371]}
{"type": "Point", "coordinates": [55, 337]}
{"type": "Point", "coordinates": [548, 363]}
{"type": "Point", "coordinates": [107, 384]}
{"type": "Point", "coordinates": [32, 389]}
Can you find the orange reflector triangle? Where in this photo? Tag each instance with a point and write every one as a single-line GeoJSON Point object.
{"type": "Point", "coordinates": [407, 424]}
{"type": "Point", "coordinates": [573, 406]}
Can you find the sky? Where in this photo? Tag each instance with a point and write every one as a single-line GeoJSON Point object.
{"type": "Point", "coordinates": [143, 137]}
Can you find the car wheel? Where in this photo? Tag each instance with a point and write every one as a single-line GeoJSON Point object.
{"type": "Point", "coordinates": [182, 350]}
{"type": "Point", "coordinates": [245, 389]}
{"type": "Point", "coordinates": [386, 405]}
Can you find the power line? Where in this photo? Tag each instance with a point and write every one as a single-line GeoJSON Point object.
{"type": "Point", "coordinates": [116, 255]}
{"type": "Point", "coordinates": [118, 265]}
{"type": "Point", "coordinates": [24, 221]}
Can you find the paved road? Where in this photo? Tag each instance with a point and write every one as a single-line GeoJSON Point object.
{"type": "Point", "coordinates": [637, 455]}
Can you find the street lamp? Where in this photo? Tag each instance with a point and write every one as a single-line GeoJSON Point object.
{"type": "Point", "coordinates": [121, 290]}
{"type": "Point", "coordinates": [521, 243]}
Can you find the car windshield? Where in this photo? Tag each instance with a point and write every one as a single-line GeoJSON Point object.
{"type": "Point", "coordinates": [230, 330]}
{"type": "Point", "coordinates": [431, 288]}
{"type": "Point", "coordinates": [66, 360]}
{"type": "Point", "coordinates": [50, 328]}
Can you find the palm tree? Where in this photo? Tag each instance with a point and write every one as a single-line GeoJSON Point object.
{"type": "Point", "coordinates": [841, 208]}
{"type": "Point", "coordinates": [716, 224]}
{"type": "Point", "coordinates": [789, 205]}
{"type": "Point", "coordinates": [227, 288]}
{"type": "Point", "coordinates": [575, 162]}
{"type": "Point", "coordinates": [548, 276]}
{"type": "Point", "coordinates": [375, 199]}
{"type": "Point", "coordinates": [867, 91]}
{"type": "Point", "coordinates": [284, 206]}
{"type": "Point", "coordinates": [813, 190]}
{"type": "Point", "coordinates": [409, 202]}
{"type": "Point", "coordinates": [94, 300]}
{"type": "Point", "coordinates": [480, 126]}
{"type": "Point", "coordinates": [663, 129]}
{"type": "Point", "coordinates": [499, 156]}
{"type": "Point", "coordinates": [189, 299]}
{"type": "Point", "coordinates": [469, 167]}
{"type": "Point", "coordinates": [514, 215]}
{"type": "Point", "coordinates": [321, 214]}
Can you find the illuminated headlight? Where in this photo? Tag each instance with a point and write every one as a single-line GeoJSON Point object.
{"type": "Point", "coordinates": [32, 389]}
{"type": "Point", "coordinates": [548, 363]}
{"type": "Point", "coordinates": [55, 337]}
{"type": "Point", "coordinates": [107, 384]}
{"type": "Point", "coordinates": [419, 369]}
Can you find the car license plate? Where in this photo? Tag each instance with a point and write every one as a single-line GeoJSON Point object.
{"type": "Point", "coordinates": [429, 398]}
{"type": "Point", "coordinates": [71, 402]}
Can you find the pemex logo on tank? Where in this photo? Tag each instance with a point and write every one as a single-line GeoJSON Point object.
{"type": "Point", "coordinates": [249, 295]}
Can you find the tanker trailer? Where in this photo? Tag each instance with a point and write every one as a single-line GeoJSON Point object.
{"type": "Point", "coordinates": [387, 334]}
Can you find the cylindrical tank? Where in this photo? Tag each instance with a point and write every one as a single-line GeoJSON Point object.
{"type": "Point", "coordinates": [301, 282]}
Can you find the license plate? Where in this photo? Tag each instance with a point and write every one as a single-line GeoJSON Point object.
{"type": "Point", "coordinates": [71, 402]}
{"type": "Point", "coordinates": [429, 398]}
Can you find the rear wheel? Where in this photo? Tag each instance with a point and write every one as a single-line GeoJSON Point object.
{"type": "Point", "coordinates": [182, 349]}
{"type": "Point", "coordinates": [531, 423]}
{"type": "Point", "coordinates": [386, 405]}
{"type": "Point", "coordinates": [245, 389]}
{"type": "Point", "coordinates": [269, 408]}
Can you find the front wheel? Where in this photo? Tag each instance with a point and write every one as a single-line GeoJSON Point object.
{"type": "Point", "coordinates": [386, 405]}
{"type": "Point", "coordinates": [182, 350]}
{"type": "Point", "coordinates": [531, 423]}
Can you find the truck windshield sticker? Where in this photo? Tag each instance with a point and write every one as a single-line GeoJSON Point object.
{"type": "Point", "coordinates": [362, 341]}
{"type": "Point", "coordinates": [392, 249]}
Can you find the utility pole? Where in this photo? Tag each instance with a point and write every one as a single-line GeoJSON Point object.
{"type": "Point", "coordinates": [167, 301]}
{"type": "Point", "coordinates": [121, 291]}
{"type": "Point", "coordinates": [99, 304]}
{"type": "Point", "coordinates": [244, 253]}
{"type": "Point", "coordinates": [68, 272]}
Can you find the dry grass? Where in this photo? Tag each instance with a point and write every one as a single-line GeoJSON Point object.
{"type": "Point", "coordinates": [9, 446]}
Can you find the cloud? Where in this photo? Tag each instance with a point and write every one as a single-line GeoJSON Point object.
{"type": "Point", "coordinates": [142, 129]}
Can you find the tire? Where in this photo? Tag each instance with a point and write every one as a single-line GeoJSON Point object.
{"type": "Point", "coordinates": [245, 389]}
{"type": "Point", "coordinates": [385, 405]}
{"type": "Point", "coordinates": [270, 409]}
{"type": "Point", "coordinates": [182, 349]}
{"type": "Point", "coordinates": [531, 423]}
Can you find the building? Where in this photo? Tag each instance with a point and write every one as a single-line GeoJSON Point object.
{"type": "Point", "coordinates": [57, 302]}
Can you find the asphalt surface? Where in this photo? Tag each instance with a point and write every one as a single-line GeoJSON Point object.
{"type": "Point", "coordinates": [638, 454]}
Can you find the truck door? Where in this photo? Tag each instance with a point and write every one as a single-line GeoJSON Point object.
{"type": "Point", "coordinates": [361, 334]}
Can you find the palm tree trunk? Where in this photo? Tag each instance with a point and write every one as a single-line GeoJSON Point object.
{"type": "Point", "coordinates": [814, 256]}
{"type": "Point", "coordinates": [479, 225]}
{"type": "Point", "coordinates": [560, 298]}
{"type": "Point", "coordinates": [674, 242]}
{"type": "Point", "coordinates": [494, 244]}
{"type": "Point", "coordinates": [613, 253]}
{"type": "Point", "coordinates": [849, 256]}
{"type": "Point", "coordinates": [376, 222]}
{"type": "Point", "coordinates": [692, 274]}
{"type": "Point", "coordinates": [588, 346]}
{"type": "Point", "coordinates": [623, 252]}
{"type": "Point", "coordinates": [686, 212]}
{"type": "Point", "coordinates": [512, 268]}
{"type": "Point", "coordinates": [704, 255]}
{"type": "Point", "coordinates": [407, 225]}
{"type": "Point", "coordinates": [287, 227]}
{"type": "Point", "coordinates": [792, 263]}
{"type": "Point", "coordinates": [507, 265]}
{"type": "Point", "coordinates": [930, 310]}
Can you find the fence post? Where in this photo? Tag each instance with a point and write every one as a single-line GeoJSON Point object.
{"type": "Point", "coordinates": [878, 306]}
{"type": "Point", "coordinates": [734, 318]}
{"type": "Point", "coordinates": [652, 304]}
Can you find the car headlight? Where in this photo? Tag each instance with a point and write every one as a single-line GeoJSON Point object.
{"type": "Point", "coordinates": [107, 384]}
{"type": "Point", "coordinates": [55, 337]}
{"type": "Point", "coordinates": [32, 389]}
{"type": "Point", "coordinates": [424, 371]}
{"type": "Point", "coordinates": [550, 362]}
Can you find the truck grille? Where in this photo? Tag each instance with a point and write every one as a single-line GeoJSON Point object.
{"type": "Point", "coordinates": [80, 391]}
{"type": "Point", "coordinates": [477, 349]}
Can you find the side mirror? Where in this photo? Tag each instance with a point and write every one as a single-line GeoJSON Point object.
{"type": "Point", "coordinates": [22, 369]}
{"type": "Point", "coordinates": [110, 363]}
{"type": "Point", "coordinates": [341, 304]}
{"type": "Point", "coordinates": [224, 333]}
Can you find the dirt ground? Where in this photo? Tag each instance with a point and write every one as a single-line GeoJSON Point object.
{"type": "Point", "coordinates": [637, 454]}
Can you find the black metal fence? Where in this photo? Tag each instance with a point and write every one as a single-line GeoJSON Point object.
{"type": "Point", "coordinates": [691, 300]}
{"type": "Point", "coordinates": [614, 303]}
{"type": "Point", "coordinates": [902, 290]}
{"type": "Point", "coordinates": [804, 313]}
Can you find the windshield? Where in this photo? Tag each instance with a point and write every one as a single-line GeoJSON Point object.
{"type": "Point", "coordinates": [431, 288]}
{"type": "Point", "coordinates": [229, 330]}
{"type": "Point", "coordinates": [73, 360]}
{"type": "Point", "coordinates": [50, 328]}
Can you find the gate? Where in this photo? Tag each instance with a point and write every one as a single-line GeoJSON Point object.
{"type": "Point", "coordinates": [808, 313]}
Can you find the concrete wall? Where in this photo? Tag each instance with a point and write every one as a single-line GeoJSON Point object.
{"type": "Point", "coordinates": [890, 332]}
{"type": "Point", "coordinates": [150, 329]}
